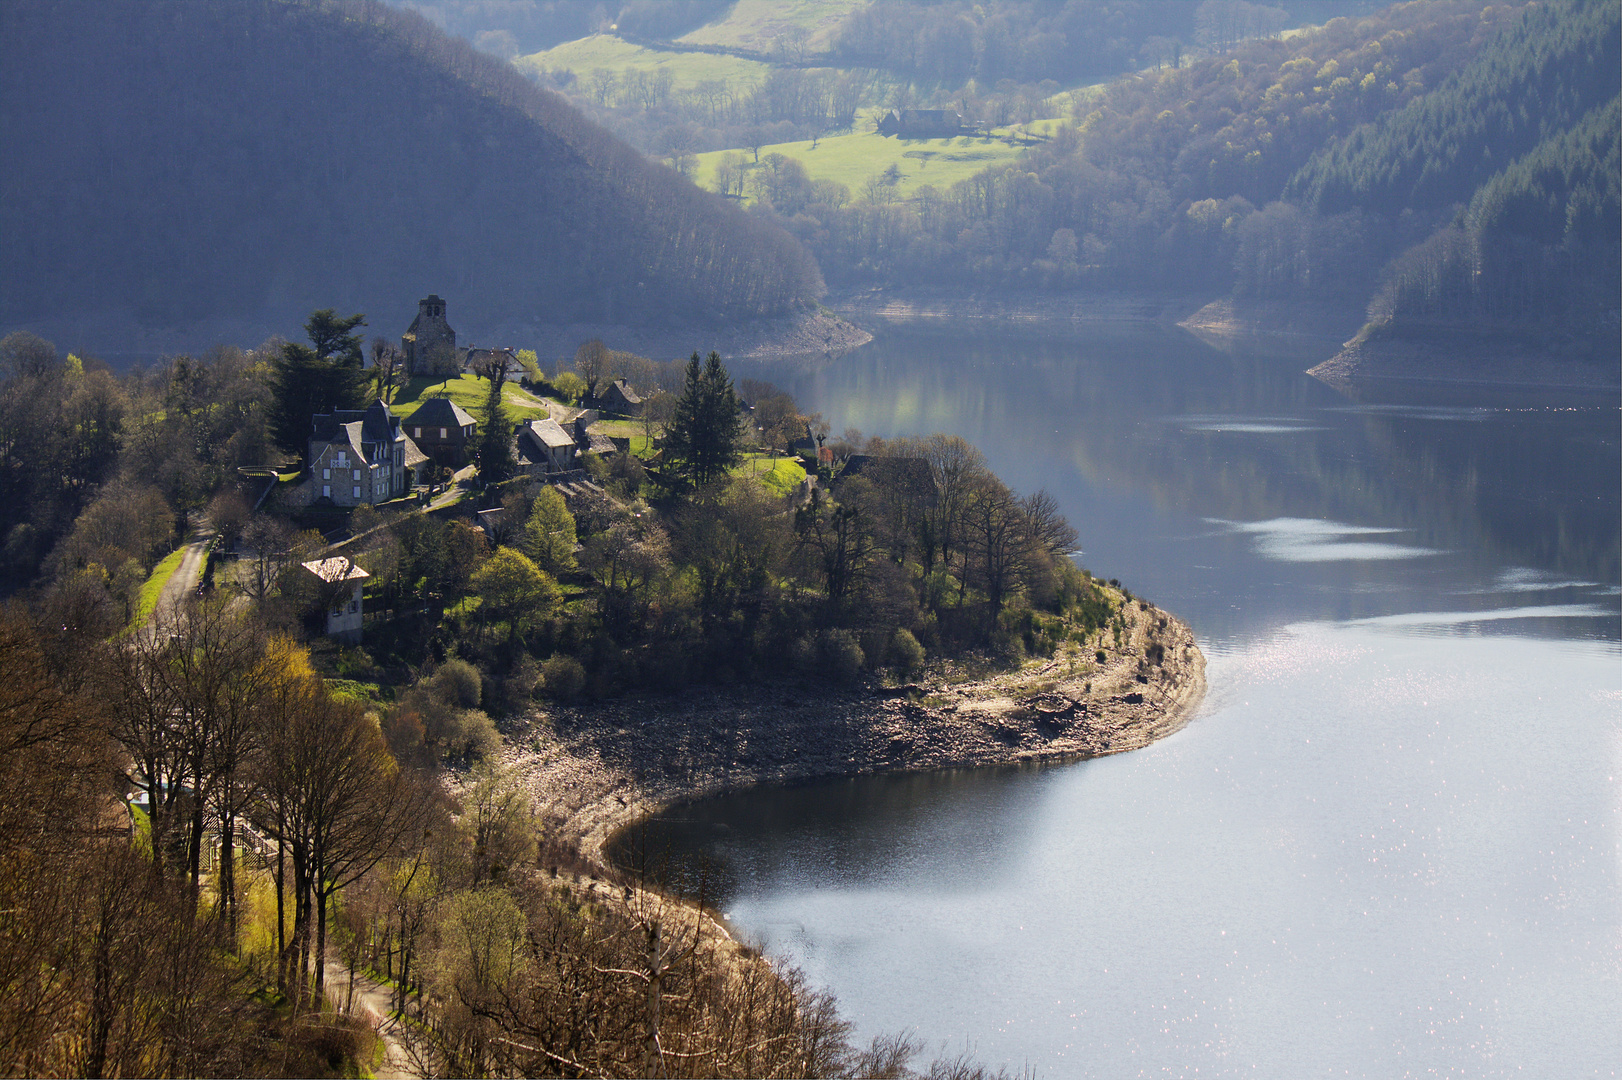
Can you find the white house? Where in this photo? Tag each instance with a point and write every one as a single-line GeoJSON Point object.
{"type": "Point", "coordinates": [345, 615]}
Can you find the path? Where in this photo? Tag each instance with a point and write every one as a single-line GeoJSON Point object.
{"type": "Point", "coordinates": [374, 1001]}
{"type": "Point", "coordinates": [456, 490]}
{"type": "Point", "coordinates": [523, 397]}
{"type": "Point", "coordinates": [183, 582]}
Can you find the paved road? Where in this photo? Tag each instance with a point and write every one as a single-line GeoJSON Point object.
{"type": "Point", "coordinates": [374, 1001]}
{"type": "Point", "coordinates": [183, 582]}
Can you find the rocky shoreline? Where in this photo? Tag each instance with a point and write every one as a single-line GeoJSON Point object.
{"type": "Point", "coordinates": [816, 332]}
{"type": "Point", "coordinates": [1044, 311]}
{"type": "Point", "coordinates": [595, 769]}
{"type": "Point", "coordinates": [1464, 358]}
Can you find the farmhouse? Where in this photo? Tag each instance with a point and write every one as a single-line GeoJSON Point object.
{"type": "Point", "coordinates": [922, 123]}
{"type": "Point", "coordinates": [544, 448]}
{"type": "Point", "coordinates": [619, 398]}
{"type": "Point", "coordinates": [443, 430]}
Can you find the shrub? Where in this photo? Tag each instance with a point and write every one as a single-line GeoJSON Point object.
{"type": "Point", "coordinates": [568, 386]}
{"type": "Point", "coordinates": [563, 677]}
{"type": "Point", "coordinates": [457, 682]}
{"type": "Point", "coordinates": [1101, 656]}
{"type": "Point", "coordinates": [842, 658]}
{"type": "Point", "coordinates": [803, 652]}
{"type": "Point", "coordinates": [471, 735]}
{"type": "Point", "coordinates": [905, 652]}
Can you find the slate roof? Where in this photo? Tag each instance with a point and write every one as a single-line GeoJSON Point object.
{"type": "Point", "coordinates": [550, 433]}
{"type": "Point", "coordinates": [631, 397]}
{"type": "Point", "coordinates": [440, 412]}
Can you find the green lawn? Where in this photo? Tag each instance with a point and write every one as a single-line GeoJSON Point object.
{"type": "Point", "coordinates": [152, 588]}
{"type": "Point", "coordinates": [780, 477]}
{"type": "Point", "coordinates": [853, 157]}
{"type": "Point", "coordinates": [468, 391]}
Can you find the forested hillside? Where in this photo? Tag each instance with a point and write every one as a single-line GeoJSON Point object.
{"type": "Point", "coordinates": [1545, 72]}
{"type": "Point", "coordinates": [1438, 160]}
{"type": "Point", "coordinates": [172, 163]}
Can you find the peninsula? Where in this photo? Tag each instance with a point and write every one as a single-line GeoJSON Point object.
{"type": "Point", "coordinates": [595, 770]}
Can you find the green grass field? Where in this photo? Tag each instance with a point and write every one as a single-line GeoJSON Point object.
{"type": "Point", "coordinates": [468, 391]}
{"type": "Point", "coordinates": [585, 55]}
{"type": "Point", "coordinates": [756, 24]}
{"type": "Point", "coordinates": [852, 158]}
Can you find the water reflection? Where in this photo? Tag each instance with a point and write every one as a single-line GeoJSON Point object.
{"type": "Point", "coordinates": [846, 832]}
{"type": "Point", "coordinates": [1145, 433]}
{"type": "Point", "coordinates": [1389, 844]}
{"type": "Point", "coordinates": [1309, 540]}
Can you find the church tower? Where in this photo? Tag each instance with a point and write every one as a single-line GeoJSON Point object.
{"type": "Point", "coordinates": [430, 345]}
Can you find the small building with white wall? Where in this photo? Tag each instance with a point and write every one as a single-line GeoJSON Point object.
{"type": "Point", "coordinates": [341, 587]}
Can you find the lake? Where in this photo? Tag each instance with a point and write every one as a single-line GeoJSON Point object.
{"type": "Point", "coordinates": [1388, 845]}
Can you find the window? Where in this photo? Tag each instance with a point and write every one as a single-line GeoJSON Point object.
{"type": "Point", "coordinates": [326, 491]}
{"type": "Point", "coordinates": [357, 492]}
{"type": "Point", "coordinates": [356, 474]}
{"type": "Point", "coordinates": [326, 474]}
{"type": "Point", "coordinates": [442, 433]}
{"type": "Point", "coordinates": [418, 435]}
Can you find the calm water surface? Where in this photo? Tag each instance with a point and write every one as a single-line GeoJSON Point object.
{"type": "Point", "coordinates": [1388, 845]}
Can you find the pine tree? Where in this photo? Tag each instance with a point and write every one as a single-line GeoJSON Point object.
{"type": "Point", "coordinates": [496, 441]}
{"type": "Point", "coordinates": [704, 430]}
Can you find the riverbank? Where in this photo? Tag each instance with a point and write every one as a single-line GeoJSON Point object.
{"type": "Point", "coordinates": [1228, 324]}
{"type": "Point", "coordinates": [1044, 311]}
{"type": "Point", "coordinates": [595, 769]}
{"type": "Point", "coordinates": [817, 331]}
{"type": "Point", "coordinates": [1473, 355]}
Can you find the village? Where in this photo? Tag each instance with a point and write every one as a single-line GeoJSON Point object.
{"type": "Point", "coordinates": [421, 453]}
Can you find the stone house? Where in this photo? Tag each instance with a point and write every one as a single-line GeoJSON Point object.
{"type": "Point", "coordinates": [443, 430]}
{"type": "Point", "coordinates": [545, 449]}
{"type": "Point", "coordinates": [341, 585]}
{"type": "Point", "coordinates": [429, 346]}
{"type": "Point", "coordinates": [361, 457]}
{"type": "Point", "coordinates": [621, 399]}
{"type": "Point", "coordinates": [594, 442]}
{"type": "Point", "coordinates": [905, 474]}
{"type": "Point", "coordinates": [922, 123]}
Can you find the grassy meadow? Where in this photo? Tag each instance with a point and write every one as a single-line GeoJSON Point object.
{"type": "Point", "coordinates": [756, 24]}
{"type": "Point", "coordinates": [851, 158]}
{"type": "Point", "coordinates": [687, 70]}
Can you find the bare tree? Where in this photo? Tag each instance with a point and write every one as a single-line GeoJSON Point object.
{"type": "Point", "coordinates": [594, 361]}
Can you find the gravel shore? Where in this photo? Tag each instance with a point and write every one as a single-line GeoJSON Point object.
{"type": "Point", "coordinates": [595, 769]}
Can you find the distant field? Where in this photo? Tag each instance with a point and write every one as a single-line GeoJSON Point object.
{"type": "Point", "coordinates": [756, 24]}
{"type": "Point", "coordinates": [852, 158]}
{"type": "Point", "coordinates": [606, 51]}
